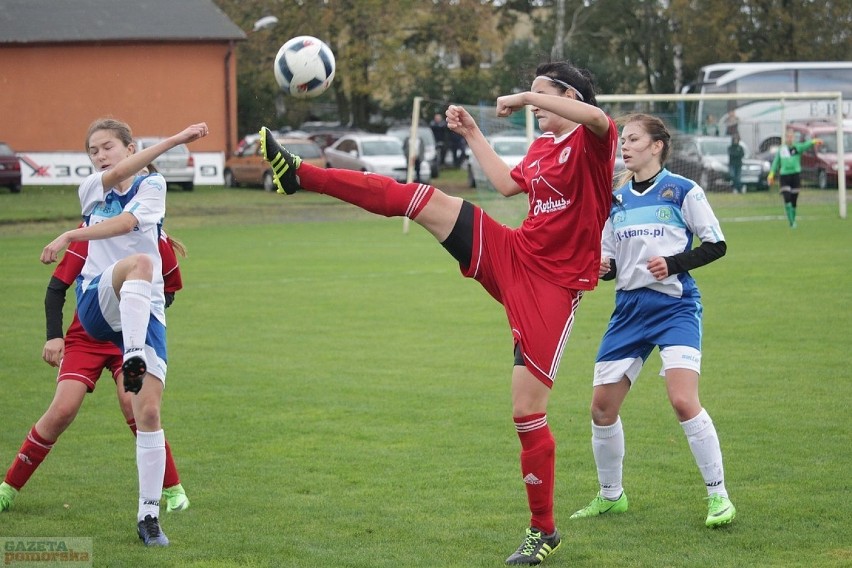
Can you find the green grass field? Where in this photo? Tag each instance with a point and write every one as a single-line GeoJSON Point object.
{"type": "Point", "coordinates": [338, 396]}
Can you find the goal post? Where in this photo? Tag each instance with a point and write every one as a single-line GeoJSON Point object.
{"type": "Point", "coordinates": [519, 123]}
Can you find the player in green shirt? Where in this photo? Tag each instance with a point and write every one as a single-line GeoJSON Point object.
{"type": "Point", "coordinates": [788, 164]}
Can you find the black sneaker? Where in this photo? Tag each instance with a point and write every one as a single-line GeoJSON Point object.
{"type": "Point", "coordinates": [134, 370]}
{"type": "Point", "coordinates": [284, 164]}
{"type": "Point", "coordinates": [535, 548]}
{"type": "Point", "coordinates": [150, 532]}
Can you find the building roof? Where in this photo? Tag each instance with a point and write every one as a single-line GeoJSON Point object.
{"type": "Point", "coordinates": [70, 21]}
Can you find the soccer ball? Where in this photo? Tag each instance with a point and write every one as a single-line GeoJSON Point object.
{"type": "Point", "coordinates": [304, 67]}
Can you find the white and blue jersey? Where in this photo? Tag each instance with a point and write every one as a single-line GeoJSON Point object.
{"type": "Point", "coordinates": [145, 200]}
{"type": "Point", "coordinates": [661, 221]}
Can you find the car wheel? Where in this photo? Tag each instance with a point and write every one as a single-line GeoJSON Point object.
{"type": "Point", "coordinates": [471, 181]}
{"type": "Point", "coordinates": [822, 179]}
{"type": "Point", "coordinates": [268, 184]}
{"type": "Point", "coordinates": [188, 186]}
{"type": "Point", "coordinates": [229, 179]}
{"type": "Point", "coordinates": [15, 188]}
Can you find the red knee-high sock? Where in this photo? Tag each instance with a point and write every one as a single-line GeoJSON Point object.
{"type": "Point", "coordinates": [32, 453]}
{"type": "Point", "coordinates": [171, 478]}
{"type": "Point", "coordinates": [371, 192]}
{"type": "Point", "coordinates": [538, 465]}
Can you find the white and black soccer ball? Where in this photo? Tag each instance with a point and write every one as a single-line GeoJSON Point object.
{"type": "Point", "coordinates": [304, 67]}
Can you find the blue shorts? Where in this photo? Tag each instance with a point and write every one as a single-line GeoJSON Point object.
{"type": "Point", "coordinates": [644, 319]}
{"type": "Point", "coordinates": [98, 311]}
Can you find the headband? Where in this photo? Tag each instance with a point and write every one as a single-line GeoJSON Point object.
{"type": "Point", "coordinates": [563, 84]}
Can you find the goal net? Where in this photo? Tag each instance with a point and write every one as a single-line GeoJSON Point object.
{"type": "Point", "coordinates": [703, 126]}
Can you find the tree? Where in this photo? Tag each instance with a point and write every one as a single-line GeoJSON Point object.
{"type": "Point", "coordinates": [444, 50]}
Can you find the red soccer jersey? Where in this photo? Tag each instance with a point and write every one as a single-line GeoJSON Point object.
{"type": "Point", "coordinates": [569, 183]}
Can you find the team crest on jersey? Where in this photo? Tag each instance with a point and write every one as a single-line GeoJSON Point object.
{"type": "Point", "coordinates": [664, 213]}
{"type": "Point", "coordinates": [669, 193]}
{"type": "Point", "coordinates": [618, 218]}
{"type": "Point", "coordinates": [563, 157]}
{"type": "Point", "coordinates": [109, 208]}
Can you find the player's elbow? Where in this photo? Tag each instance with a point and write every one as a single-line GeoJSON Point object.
{"type": "Point", "coordinates": [127, 222]}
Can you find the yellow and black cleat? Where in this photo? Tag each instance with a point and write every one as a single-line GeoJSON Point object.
{"type": "Point", "coordinates": [284, 164]}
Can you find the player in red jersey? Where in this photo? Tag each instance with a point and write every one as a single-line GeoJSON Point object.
{"type": "Point", "coordinates": [538, 271]}
{"type": "Point", "coordinates": [81, 359]}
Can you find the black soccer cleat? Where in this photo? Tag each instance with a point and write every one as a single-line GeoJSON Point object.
{"type": "Point", "coordinates": [535, 547]}
{"type": "Point", "coordinates": [134, 370]}
{"type": "Point", "coordinates": [150, 532]}
{"type": "Point", "coordinates": [284, 164]}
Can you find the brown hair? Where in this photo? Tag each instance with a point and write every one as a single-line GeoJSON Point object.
{"type": "Point", "coordinates": [177, 245]}
{"type": "Point", "coordinates": [656, 129]}
{"type": "Point", "coordinates": [119, 128]}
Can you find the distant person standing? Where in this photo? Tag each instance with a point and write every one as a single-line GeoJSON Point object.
{"type": "Point", "coordinates": [418, 155]}
{"type": "Point", "coordinates": [736, 153]}
{"type": "Point", "coordinates": [711, 128]}
{"type": "Point", "coordinates": [732, 123]}
{"type": "Point", "coordinates": [788, 163]}
{"type": "Point", "coordinates": [457, 145]}
{"type": "Point", "coordinates": [440, 131]}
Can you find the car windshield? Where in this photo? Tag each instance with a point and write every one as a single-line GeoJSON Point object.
{"type": "Point", "coordinates": [176, 151]}
{"type": "Point", "coordinates": [830, 143]}
{"type": "Point", "coordinates": [5, 150]}
{"type": "Point", "coordinates": [423, 133]}
{"type": "Point", "coordinates": [382, 147]}
{"type": "Point", "coordinates": [510, 147]}
{"type": "Point", "coordinates": [303, 149]}
{"type": "Point", "coordinates": [714, 147]}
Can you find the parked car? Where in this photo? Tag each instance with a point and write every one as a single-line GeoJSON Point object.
{"type": "Point", "coordinates": [326, 138]}
{"type": "Point", "coordinates": [247, 166]}
{"type": "Point", "coordinates": [511, 149]}
{"type": "Point", "coordinates": [377, 153]}
{"type": "Point", "coordinates": [427, 139]}
{"type": "Point", "coordinates": [177, 164]}
{"type": "Point", "coordinates": [10, 168]}
{"type": "Point", "coordinates": [285, 133]}
{"type": "Point", "coordinates": [820, 164]}
{"type": "Point", "coordinates": [704, 159]}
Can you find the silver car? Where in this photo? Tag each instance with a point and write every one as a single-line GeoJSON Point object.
{"type": "Point", "coordinates": [377, 153]}
{"type": "Point", "coordinates": [427, 139]}
{"type": "Point", "coordinates": [177, 165]}
{"type": "Point", "coordinates": [511, 150]}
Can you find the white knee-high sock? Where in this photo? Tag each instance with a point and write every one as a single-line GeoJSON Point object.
{"type": "Point", "coordinates": [135, 307]}
{"type": "Point", "coordinates": [608, 447]}
{"type": "Point", "coordinates": [704, 443]}
{"type": "Point", "coordinates": [151, 465]}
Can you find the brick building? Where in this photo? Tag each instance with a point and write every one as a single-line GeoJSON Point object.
{"type": "Point", "coordinates": [157, 64]}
